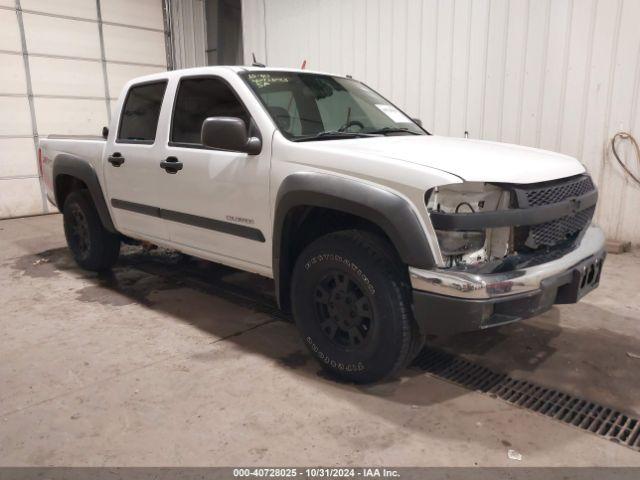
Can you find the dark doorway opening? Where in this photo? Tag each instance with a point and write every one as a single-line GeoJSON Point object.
{"type": "Point", "coordinates": [224, 32]}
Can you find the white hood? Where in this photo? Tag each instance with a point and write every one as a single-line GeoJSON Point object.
{"type": "Point", "coordinates": [471, 160]}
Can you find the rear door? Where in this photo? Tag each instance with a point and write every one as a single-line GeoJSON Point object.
{"type": "Point", "coordinates": [131, 168]}
{"type": "Point", "coordinates": [217, 204]}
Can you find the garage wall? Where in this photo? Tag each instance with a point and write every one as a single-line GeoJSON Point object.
{"type": "Point", "coordinates": [562, 75]}
{"type": "Point", "coordinates": [63, 65]}
{"type": "Point", "coordinates": [189, 33]}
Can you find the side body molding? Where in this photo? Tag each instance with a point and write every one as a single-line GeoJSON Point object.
{"type": "Point", "coordinates": [390, 212]}
{"type": "Point", "coordinates": [67, 164]}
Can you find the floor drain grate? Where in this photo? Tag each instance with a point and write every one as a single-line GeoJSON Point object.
{"type": "Point", "coordinates": [604, 421]}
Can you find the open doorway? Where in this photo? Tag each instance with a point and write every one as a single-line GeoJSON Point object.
{"type": "Point", "coordinates": [224, 32]}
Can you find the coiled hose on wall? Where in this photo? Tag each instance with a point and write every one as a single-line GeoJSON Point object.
{"type": "Point", "coordinates": [627, 136]}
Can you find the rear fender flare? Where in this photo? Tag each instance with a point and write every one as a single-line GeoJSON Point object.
{"type": "Point", "coordinates": [67, 164]}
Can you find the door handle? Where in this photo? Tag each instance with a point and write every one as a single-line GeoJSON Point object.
{"type": "Point", "coordinates": [171, 165]}
{"type": "Point", "coordinates": [116, 159]}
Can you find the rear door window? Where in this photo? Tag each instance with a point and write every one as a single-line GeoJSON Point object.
{"type": "Point", "coordinates": [140, 113]}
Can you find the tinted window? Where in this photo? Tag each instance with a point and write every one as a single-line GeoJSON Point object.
{"type": "Point", "coordinates": [198, 99]}
{"type": "Point", "coordinates": [140, 114]}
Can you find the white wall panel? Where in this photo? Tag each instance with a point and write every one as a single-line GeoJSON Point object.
{"type": "Point", "coordinates": [496, 66]}
{"type": "Point", "coordinates": [477, 67]}
{"type": "Point", "coordinates": [514, 73]}
{"type": "Point", "coordinates": [15, 119]}
{"type": "Point", "coordinates": [126, 44]}
{"type": "Point", "coordinates": [13, 152]}
{"type": "Point", "coordinates": [72, 8]}
{"type": "Point", "coordinates": [61, 36]}
{"type": "Point", "coordinates": [9, 33]}
{"type": "Point", "coordinates": [556, 74]}
{"type": "Point", "coordinates": [142, 13]}
{"type": "Point", "coordinates": [56, 76]}
{"type": "Point", "coordinates": [12, 79]}
{"type": "Point", "coordinates": [253, 30]}
{"type": "Point", "coordinates": [68, 73]}
{"type": "Point", "coordinates": [66, 116]}
{"type": "Point", "coordinates": [427, 59]}
{"type": "Point", "coordinates": [20, 197]}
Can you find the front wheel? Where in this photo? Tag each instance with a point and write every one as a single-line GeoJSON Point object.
{"type": "Point", "coordinates": [93, 247]}
{"type": "Point", "coordinates": [351, 302]}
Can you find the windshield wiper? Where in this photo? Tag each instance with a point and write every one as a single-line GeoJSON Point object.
{"type": "Point", "coordinates": [335, 134]}
{"type": "Point", "coordinates": [386, 130]}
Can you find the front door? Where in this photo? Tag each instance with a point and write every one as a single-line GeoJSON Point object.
{"type": "Point", "coordinates": [130, 169]}
{"type": "Point", "coordinates": [215, 202]}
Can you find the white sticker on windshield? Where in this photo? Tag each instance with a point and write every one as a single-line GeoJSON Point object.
{"type": "Point", "coordinates": [393, 113]}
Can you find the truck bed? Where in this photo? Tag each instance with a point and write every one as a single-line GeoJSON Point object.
{"type": "Point", "coordinates": [89, 148]}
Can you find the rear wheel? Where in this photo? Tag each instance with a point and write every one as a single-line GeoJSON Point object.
{"type": "Point", "coordinates": [93, 247]}
{"type": "Point", "coordinates": [352, 304]}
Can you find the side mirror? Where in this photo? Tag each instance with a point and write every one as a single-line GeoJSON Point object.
{"type": "Point", "coordinates": [229, 133]}
{"type": "Point", "coordinates": [417, 121]}
{"type": "Point", "coordinates": [105, 132]}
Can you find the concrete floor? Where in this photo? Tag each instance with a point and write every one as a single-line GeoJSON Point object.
{"type": "Point", "coordinates": [155, 366]}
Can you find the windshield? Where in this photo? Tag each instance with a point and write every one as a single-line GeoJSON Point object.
{"type": "Point", "coordinates": [309, 106]}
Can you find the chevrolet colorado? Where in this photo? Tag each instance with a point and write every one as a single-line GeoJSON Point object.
{"type": "Point", "coordinates": [376, 232]}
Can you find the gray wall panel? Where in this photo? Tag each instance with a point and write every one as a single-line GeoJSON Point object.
{"type": "Point", "coordinates": [562, 75]}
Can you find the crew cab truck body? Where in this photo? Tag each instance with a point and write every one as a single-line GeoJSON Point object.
{"type": "Point", "coordinates": [375, 232]}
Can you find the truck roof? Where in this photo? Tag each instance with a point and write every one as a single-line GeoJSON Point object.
{"type": "Point", "coordinates": [220, 68]}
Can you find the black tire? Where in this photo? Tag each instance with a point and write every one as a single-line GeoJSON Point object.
{"type": "Point", "coordinates": [351, 301]}
{"type": "Point", "coordinates": [93, 247]}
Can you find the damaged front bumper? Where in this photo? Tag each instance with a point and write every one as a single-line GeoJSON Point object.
{"type": "Point", "coordinates": [447, 301]}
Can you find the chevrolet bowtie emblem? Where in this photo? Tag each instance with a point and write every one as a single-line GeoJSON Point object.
{"type": "Point", "coordinates": [575, 205]}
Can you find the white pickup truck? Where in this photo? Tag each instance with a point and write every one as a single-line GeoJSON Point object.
{"type": "Point", "coordinates": [375, 232]}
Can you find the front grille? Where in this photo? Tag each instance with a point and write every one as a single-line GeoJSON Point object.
{"type": "Point", "coordinates": [559, 230]}
{"type": "Point", "coordinates": [555, 193]}
{"type": "Point", "coordinates": [556, 231]}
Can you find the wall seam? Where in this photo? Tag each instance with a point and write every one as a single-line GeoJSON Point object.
{"type": "Point", "coordinates": [406, 59]}
{"type": "Point", "coordinates": [466, 91]}
{"type": "Point", "coordinates": [103, 62]}
{"type": "Point", "coordinates": [264, 23]}
{"type": "Point", "coordinates": [366, 33]}
{"type": "Point", "coordinates": [81, 59]}
{"type": "Point", "coordinates": [19, 177]}
{"type": "Point", "coordinates": [587, 79]}
{"type": "Point", "coordinates": [543, 75]}
{"type": "Point", "coordinates": [32, 109]}
{"type": "Point", "coordinates": [420, 39]}
{"type": "Point", "coordinates": [484, 74]}
{"type": "Point", "coordinates": [435, 63]}
{"type": "Point", "coordinates": [451, 46]}
{"type": "Point", "coordinates": [565, 75]}
{"type": "Point", "coordinates": [607, 123]}
{"type": "Point", "coordinates": [523, 72]}
{"type": "Point", "coordinates": [55, 96]}
{"type": "Point", "coordinates": [504, 70]}
{"type": "Point", "coordinates": [81, 19]}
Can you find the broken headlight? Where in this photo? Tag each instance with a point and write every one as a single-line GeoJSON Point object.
{"type": "Point", "coordinates": [470, 247]}
{"type": "Point", "coordinates": [460, 243]}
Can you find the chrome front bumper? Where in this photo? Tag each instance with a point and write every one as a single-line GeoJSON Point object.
{"type": "Point", "coordinates": [465, 285]}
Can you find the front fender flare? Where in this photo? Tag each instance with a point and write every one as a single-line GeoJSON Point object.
{"type": "Point", "coordinates": [392, 213]}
